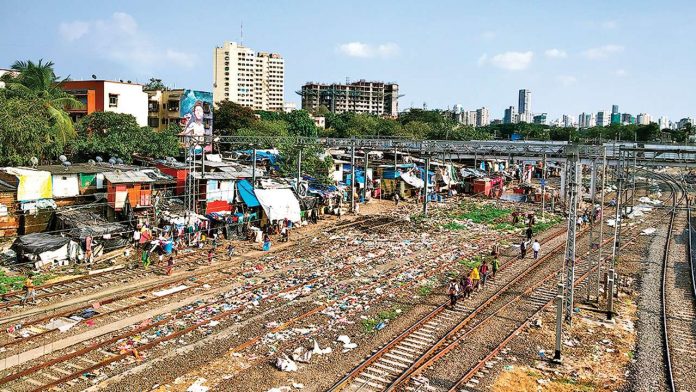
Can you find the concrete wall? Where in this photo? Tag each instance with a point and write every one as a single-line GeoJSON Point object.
{"type": "Point", "coordinates": [131, 100]}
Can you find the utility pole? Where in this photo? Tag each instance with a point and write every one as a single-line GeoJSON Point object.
{"type": "Point", "coordinates": [559, 323]}
{"type": "Point", "coordinates": [601, 225]}
{"type": "Point", "coordinates": [594, 247]}
{"type": "Point", "coordinates": [425, 187]}
{"type": "Point", "coordinates": [253, 168]}
{"type": "Point", "coordinates": [543, 186]}
{"type": "Point", "coordinates": [574, 172]}
{"type": "Point", "coordinates": [617, 238]}
{"type": "Point", "coordinates": [367, 160]}
{"type": "Point", "coordinates": [352, 176]}
{"type": "Point", "coordinates": [299, 169]}
{"type": "Point", "coordinates": [395, 160]}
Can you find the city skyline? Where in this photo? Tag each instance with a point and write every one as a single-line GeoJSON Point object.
{"type": "Point", "coordinates": [582, 63]}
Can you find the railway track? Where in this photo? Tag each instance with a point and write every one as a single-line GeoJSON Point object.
{"type": "Point", "coordinates": [432, 337]}
{"type": "Point", "coordinates": [99, 281]}
{"type": "Point", "coordinates": [678, 297]}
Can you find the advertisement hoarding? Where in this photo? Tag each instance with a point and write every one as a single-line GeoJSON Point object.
{"type": "Point", "coordinates": [196, 112]}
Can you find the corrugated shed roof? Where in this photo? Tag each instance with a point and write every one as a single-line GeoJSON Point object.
{"type": "Point", "coordinates": [127, 177]}
{"type": "Point", "coordinates": [5, 187]}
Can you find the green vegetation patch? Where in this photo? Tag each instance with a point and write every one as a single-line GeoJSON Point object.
{"type": "Point", "coordinates": [13, 283]}
{"type": "Point", "coordinates": [483, 213]}
{"type": "Point", "coordinates": [370, 324]}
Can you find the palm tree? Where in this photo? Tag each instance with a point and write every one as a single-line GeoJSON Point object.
{"type": "Point", "coordinates": [40, 81]}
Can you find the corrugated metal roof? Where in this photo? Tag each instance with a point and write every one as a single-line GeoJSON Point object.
{"type": "Point", "coordinates": [127, 177]}
{"type": "Point", "coordinates": [85, 168]}
{"type": "Point", "coordinates": [5, 187]}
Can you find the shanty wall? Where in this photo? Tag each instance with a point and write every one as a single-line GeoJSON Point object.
{"type": "Point", "coordinates": [9, 222]}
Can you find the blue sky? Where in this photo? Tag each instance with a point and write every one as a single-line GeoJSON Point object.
{"type": "Point", "coordinates": [574, 56]}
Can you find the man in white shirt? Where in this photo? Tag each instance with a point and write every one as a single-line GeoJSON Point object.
{"type": "Point", "coordinates": [536, 247]}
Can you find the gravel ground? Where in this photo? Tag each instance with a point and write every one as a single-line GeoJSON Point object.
{"type": "Point", "coordinates": [648, 370]}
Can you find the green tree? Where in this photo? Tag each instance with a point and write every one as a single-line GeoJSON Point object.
{"type": "Point", "coordinates": [229, 117]}
{"type": "Point", "coordinates": [26, 131]}
{"type": "Point", "coordinates": [417, 129]}
{"type": "Point", "coordinates": [314, 162]}
{"type": "Point", "coordinates": [648, 133]}
{"type": "Point", "coordinates": [38, 80]}
{"type": "Point", "coordinates": [119, 135]}
{"type": "Point", "coordinates": [301, 124]}
{"type": "Point", "coordinates": [154, 85]}
{"type": "Point", "coordinates": [274, 128]}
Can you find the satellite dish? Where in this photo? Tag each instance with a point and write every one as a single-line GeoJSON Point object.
{"type": "Point", "coordinates": [119, 161]}
{"type": "Point", "coordinates": [34, 161]}
{"type": "Point", "coordinates": [91, 162]}
{"type": "Point", "coordinates": [62, 158]}
{"type": "Point", "coordinates": [129, 82]}
{"type": "Point", "coordinates": [94, 76]}
{"type": "Point", "coordinates": [117, 171]}
{"type": "Point", "coordinates": [120, 80]}
{"type": "Point", "coordinates": [112, 161]}
{"type": "Point", "coordinates": [66, 164]}
{"type": "Point", "coordinates": [99, 159]}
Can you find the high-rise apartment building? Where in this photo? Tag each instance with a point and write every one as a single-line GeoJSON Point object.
{"type": "Point", "coordinates": [251, 79]}
{"type": "Point", "coordinates": [524, 105]}
{"type": "Point", "coordinates": [663, 123]}
{"type": "Point", "coordinates": [541, 119]}
{"type": "Point", "coordinates": [510, 116]}
{"type": "Point", "coordinates": [643, 119]}
{"type": "Point", "coordinates": [614, 109]}
{"type": "Point", "coordinates": [603, 118]}
{"type": "Point", "coordinates": [586, 120]}
{"type": "Point", "coordinates": [378, 98]}
{"type": "Point", "coordinates": [470, 118]}
{"type": "Point", "coordinates": [482, 118]}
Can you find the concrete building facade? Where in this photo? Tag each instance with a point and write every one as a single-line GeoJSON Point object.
{"type": "Point", "coordinates": [603, 118]}
{"type": "Point", "coordinates": [524, 106]}
{"type": "Point", "coordinates": [163, 108]}
{"type": "Point", "coordinates": [482, 117]}
{"type": "Point", "coordinates": [373, 97]}
{"type": "Point", "coordinates": [251, 79]}
{"type": "Point", "coordinates": [108, 96]}
{"type": "Point", "coordinates": [510, 116]}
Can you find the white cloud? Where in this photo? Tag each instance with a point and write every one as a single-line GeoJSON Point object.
{"type": "Point", "coordinates": [511, 61]}
{"type": "Point", "coordinates": [74, 30]}
{"type": "Point", "coordinates": [363, 50]}
{"type": "Point", "coordinates": [556, 53]}
{"type": "Point", "coordinates": [621, 72]}
{"type": "Point", "coordinates": [120, 39]}
{"type": "Point", "coordinates": [566, 80]}
{"type": "Point", "coordinates": [602, 51]}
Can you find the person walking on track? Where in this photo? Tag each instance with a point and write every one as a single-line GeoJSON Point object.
{"type": "Point", "coordinates": [484, 273]}
{"type": "Point", "coordinates": [536, 247]}
{"type": "Point", "coordinates": [466, 286]}
{"type": "Point", "coordinates": [523, 250]}
{"type": "Point", "coordinates": [475, 277]}
{"type": "Point", "coordinates": [495, 267]}
{"type": "Point", "coordinates": [30, 292]}
{"type": "Point", "coordinates": [529, 233]}
{"type": "Point", "coordinates": [170, 265]}
{"type": "Point", "coordinates": [453, 292]}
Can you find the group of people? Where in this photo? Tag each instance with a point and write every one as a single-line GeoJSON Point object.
{"type": "Point", "coordinates": [586, 217]}
{"type": "Point", "coordinates": [474, 280]}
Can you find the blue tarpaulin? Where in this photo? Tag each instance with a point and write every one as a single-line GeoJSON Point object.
{"type": "Point", "coordinates": [359, 176]}
{"type": "Point", "coordinates": [261, 155]}
{"type": "Point", "coordinates": [247, 194]}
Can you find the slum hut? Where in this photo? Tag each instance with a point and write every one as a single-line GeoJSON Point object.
{"type": "Point", "coordinates": [9, 221]}
{"type": "Point", "coordinates": [42, 250]}
{"type": "Point", "coordinates": [163, 185]}
{"type": "Point", "coordinates": [249, 206]}
{"type": "Point", "coordinates": [278, 202]}
{"type": "Point", "coordinates": [129, 197]}
{"type": "Point", "coordinates": [91, 231]}
{"type": "Point", "coordinates": [34, 197]}
{"type": "Point", "coordinates": [215, 192]}
{"type": "Point", "coordinates": [177, 170]}
{"type": "Point", "coordinates": [71, 183]}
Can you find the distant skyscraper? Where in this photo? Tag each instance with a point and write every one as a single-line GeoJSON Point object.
{"type": "Point", "coordinates": [663, 122]}
{"type": "Point", "coordinates": [469, 117]}
{"type": "Point", "coordinates": [482, 119]}
{"type": "Point", "coordinates": [614, 109]}
{"type": "Point", "coordinates": [566, 121]}
{"type": "Point", "coordinates": [510, 116]}
{"type": "Point", "coordinates": [540, 119]}
{"type": "Point", "coordinates": [643, 119]}
{"type": "Point", "coordinates": [586, 120]}
{"type": "Point", "coordinates": [458, 108]}
{"type": "Point", "coordinates": [626, 118]}
{"type": "Point", "coordinates": [603, 118]}
{"type": "Point", "coordinates": [524, 105]}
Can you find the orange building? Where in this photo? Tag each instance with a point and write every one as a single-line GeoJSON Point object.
{"type": "Point", "coordinates": [108, 96]}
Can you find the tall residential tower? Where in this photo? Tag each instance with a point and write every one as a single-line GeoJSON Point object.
{"type": "Point", "coordinates": [524, 107]}
{"type": "Point", "coordinates": [249, 78]}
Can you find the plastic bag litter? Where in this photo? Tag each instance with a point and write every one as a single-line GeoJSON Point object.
{"type": "Point", "coordinates": [286, 364]}
{"type": "Point", "coordinates": [319, 351]}
{"type": "Point", "coordinates": [343, 339]}
{"type": "Point", "coordinates": [648, 231]}
{"type": "Point", "coordinates": [198, 386]}
{"type": "Point", "coordinates": [301, 355]}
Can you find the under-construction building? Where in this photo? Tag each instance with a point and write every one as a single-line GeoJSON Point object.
{"type": "Point", "coordinates": [377, 98]}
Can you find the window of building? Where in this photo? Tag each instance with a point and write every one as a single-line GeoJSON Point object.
{"type": "Point", "coordinates": [153, 122]}
{"type": "Point", "coordinates": [113, 100]}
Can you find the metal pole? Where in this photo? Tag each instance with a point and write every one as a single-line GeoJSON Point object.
{"type": "Point", "coordinates": [559, 323]}
{"type": "Point", "coordinates": [425, 187]}
{"type": "Point", "coordinates": [253, 168]}
{"type": "Point", "coordinates": [299, 168]}
{"type": "Point", "coordinates": [395, 159]}
{"type": "Point", "coordinates": [574, 172]}
{"type": "Point", "coordinates": [543, 186]}
{"type": "Point", "coordinates": [593, 244]}
{"type": "Point", "coordinates": [601, 225]}
{"type": "Point", "coordinates": [367, 162]}
{"type": "Point", "coordinates": [617, 237]}
{"type": "Point", "coordinates": [352, 177]}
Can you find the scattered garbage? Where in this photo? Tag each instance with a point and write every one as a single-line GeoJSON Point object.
{"type": "Point", "coordinates": [347, 345]}
{"type": "Point", "coordinates": [320, 351]}
{"type": "Point", "coordinates": [198, 386]}
{"type": "Point", "coordinates": [286, 364]}
{"type": "Point", "coordinates": [648, 231]}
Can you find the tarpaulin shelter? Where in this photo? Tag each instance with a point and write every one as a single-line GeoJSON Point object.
{"type": "Point", "coordinates": [246, 192]}
{"type": "Point", "coordinates": [42, 248]}
{"type": "Point", "coordinates": [279, 204]}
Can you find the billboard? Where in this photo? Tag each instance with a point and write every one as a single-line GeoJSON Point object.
{"type": "Point", "coordinates": [196, 112]}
